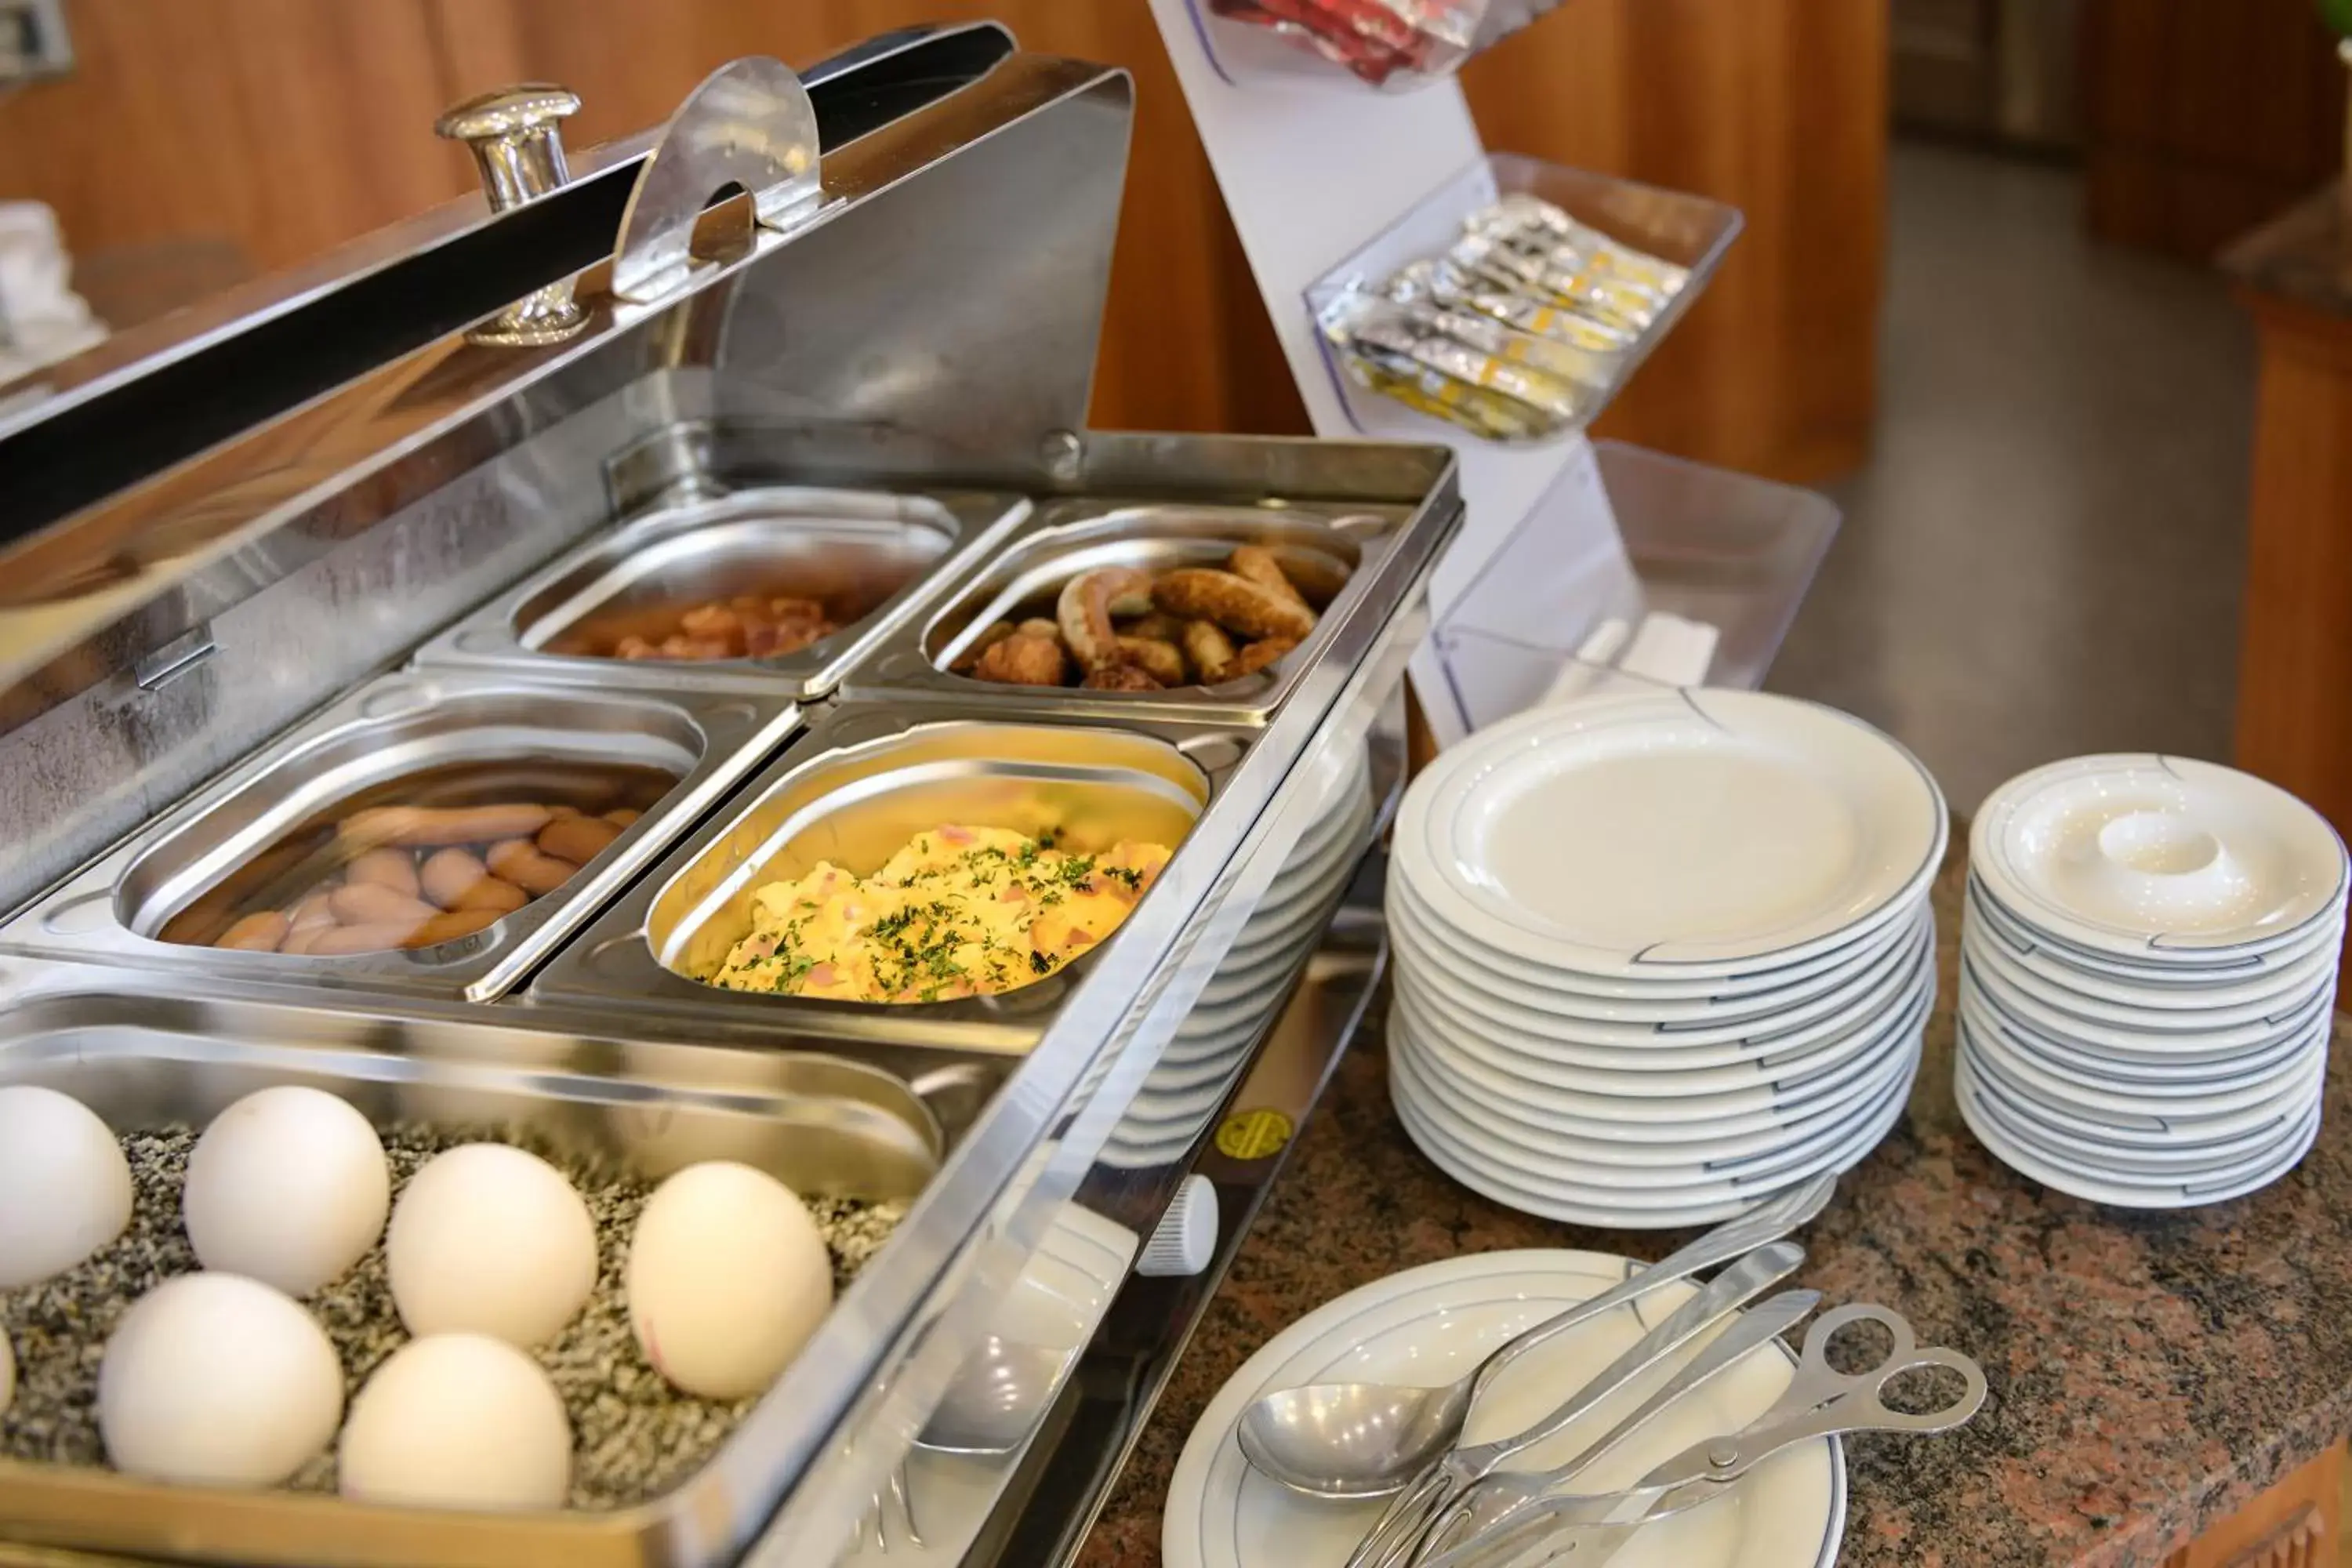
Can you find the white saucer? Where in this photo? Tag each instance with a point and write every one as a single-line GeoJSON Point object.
{"type": "Point", "coordinates": [1554, 992]}
{"type": "Point", "coordinates": [1673, 1118]}
{"type": "Point", "coordinates": [2139, 1100]}
{"type": "Point", "coordinates": [1553, 1164]}
{"type": "Point", "coordinates": [2165, 967]}
{"type": "Point", "coordinates": [2143, 855]}
{"type": "Point", "coordinates": [2170, 1130]}
{"type": "Point", "coordinates": [2141, 1195]}
{"type": "Point", "coordinates": [2291, 967]}
{"type": "Point", "coordinates": [2157, 1159]}
{"type": "Point", "coordinates": [1807, 1054]}
{"type": "Point", "coordinates": [2288, 996]}
{"type": "Point", "coordinates": [2041, 1019]}
{"type": "Point", "coordinates": [1675, 1023]}
{"type": "Point", "coordinates": [1432, 1323]}
{"type": "Point", "coordinates": [2097, 1065]}
{"type": "Point", "coordinates": [2201, 1168]}
{"type": "Point", "coordinates": [1602, 1143]}
{"type": "Point", "coordinates": [1684, 833]}
{"type": "Point", "coordinates": [1632, 1207]}
{"type": "Point", "coordinates": [1767, 976]}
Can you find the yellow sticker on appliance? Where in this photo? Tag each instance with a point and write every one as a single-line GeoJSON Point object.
{"type": "Point", "coordinates": [1253, 1134]}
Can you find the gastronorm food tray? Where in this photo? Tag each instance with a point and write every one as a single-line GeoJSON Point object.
{"type": "Point", "coordinates": [1062, 539]}
{"type": "Point", "coordinates": [822, 1124]}
{"type": "Point", "coordinates": [876, 556]}
{"type": "Point", "coordinates": [402, 725]}
{"type": "Point", "coordinates": [864, 779]}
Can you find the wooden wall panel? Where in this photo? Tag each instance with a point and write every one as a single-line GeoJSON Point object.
{"type": "Point", "coordinates": [2204, 118]}
{"type": "Point", "coordinates": [277, 124]}
{"type": "Point", "coordinates": [290, 125]}
{"type": "Point", "coordinates": [1778, 107]}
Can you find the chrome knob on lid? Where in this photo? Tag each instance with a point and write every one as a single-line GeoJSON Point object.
{"type": "Point", "coordinates": [516, 136]}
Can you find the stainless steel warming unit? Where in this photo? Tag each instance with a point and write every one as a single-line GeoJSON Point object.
{"type": "Point", "coordinates": [674, 497]}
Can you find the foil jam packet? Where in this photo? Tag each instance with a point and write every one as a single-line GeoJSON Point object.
{"type": "Point", "coordinates": [1518, 331]}
{"type": "Point", "coordinates": [1385, 42]}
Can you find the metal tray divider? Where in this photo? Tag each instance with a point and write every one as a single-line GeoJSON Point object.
{"type": "Point", "coordinates": [987, 1200]}
{"type": "Point", "coordinates": [75, 920]}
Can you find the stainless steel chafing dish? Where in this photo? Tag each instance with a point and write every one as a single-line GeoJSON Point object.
{"type": "Point", "coordinates": [423, 462]}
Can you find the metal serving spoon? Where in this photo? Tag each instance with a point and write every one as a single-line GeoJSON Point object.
{"type": "Point", "coordinates": [1368, 1439]}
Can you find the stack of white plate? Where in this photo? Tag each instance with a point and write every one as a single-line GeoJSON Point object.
{"type": "Point", "coordinates": [2148, 978]}
{"type": "Point", "coordinates": [1180, 1095]}
{"type": "Point", "coordinates": [1659, 955]}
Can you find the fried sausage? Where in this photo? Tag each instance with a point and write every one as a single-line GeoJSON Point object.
{"type": "Point", "coordinates": [1025, 660]}
{"type": "Point", "coordinates": [372, 903]}
{"type": "Point", "coordinates": [423, 827]}
{"type": "Point", "coordinates": [1157, 627]}
{"type": "Point", "coordinates": [1089, 602]}
{"type": "Point", "coordinates": [1236, 604]}
{"type": "Point", "coordinates": [521, 862]}
{"type": "Point", "coordinates": [1256, 562]}
{"type": "Point", "coordinates": [1258, 654]}
{"type": "Point", "coordinates": [260, 932]}
{"type": "Point", "coordinates": [1317, 577]}
{"type": "Point", "coordinates": [1164, 661]}
{"type": "Point", "coordinates": [964, 661]}
{"type": "Point", "coordinates": [450, 926]}
{"type": "Point", "coordinates": [1209, 648]}
{"type": "Point", "coordinates": [393, 869]}
{"type": "Point", "coordinates": [1119, 678]}
{"type": "Point", "coordinates": [579, 840]}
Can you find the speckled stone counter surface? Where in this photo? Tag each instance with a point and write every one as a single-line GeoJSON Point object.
{"type": "Point", "coordinates": [2149, 1372]}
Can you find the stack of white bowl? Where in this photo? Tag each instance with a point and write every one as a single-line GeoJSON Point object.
{"type": "Point", "coordinates": [1181, 1094]}
{"type": "Point", "coordinates": [1660, 954]}
{"type": "Point", "coordinates": [2148, 978]}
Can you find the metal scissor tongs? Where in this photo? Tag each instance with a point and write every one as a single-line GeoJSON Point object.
{"type": "Point", "coordinates": [1820, 1402]}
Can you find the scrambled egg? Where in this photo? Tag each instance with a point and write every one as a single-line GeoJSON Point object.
{"type": "Point", "coordinates": [960, 911]}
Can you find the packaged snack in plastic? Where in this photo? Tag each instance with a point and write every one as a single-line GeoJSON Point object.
{"type": "Point", "coordinates": [1376, 39]}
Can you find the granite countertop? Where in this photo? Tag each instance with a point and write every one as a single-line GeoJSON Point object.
{"type": "Point", "coordinates": [2150, 1372]}
{"type": "Point", "coordinates": [2305, 255]}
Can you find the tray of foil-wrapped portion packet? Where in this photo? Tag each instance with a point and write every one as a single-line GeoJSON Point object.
{"type": "Point", "coordinates": [1514, 300]}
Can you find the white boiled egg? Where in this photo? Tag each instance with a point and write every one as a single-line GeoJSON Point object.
{"type": "Point", "coordinates": [288, 1187]}
{"type": "Point", "coordinates": [728, 1278]}
{"type": "Point", "coordinates": [486, 1239]}
{"type": "Point", "coordinates": [216, 1380]}
{"type": "Point", "coordinates": [458, 1421]}
{"type": "Point", "coordinates": [65, 1187]}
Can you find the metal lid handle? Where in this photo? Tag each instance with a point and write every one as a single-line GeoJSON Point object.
{"type": "Point", "coordinates": [516, 138]}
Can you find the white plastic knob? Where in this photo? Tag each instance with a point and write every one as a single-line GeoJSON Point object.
{"type": "Point", "coordinates": [1186, 1241]}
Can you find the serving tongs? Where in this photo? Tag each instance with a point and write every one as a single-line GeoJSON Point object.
{"type": "Point", "coordinates": [1525, 1526]}
{"type": "Point", "coordinates": [1403, 1530]}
